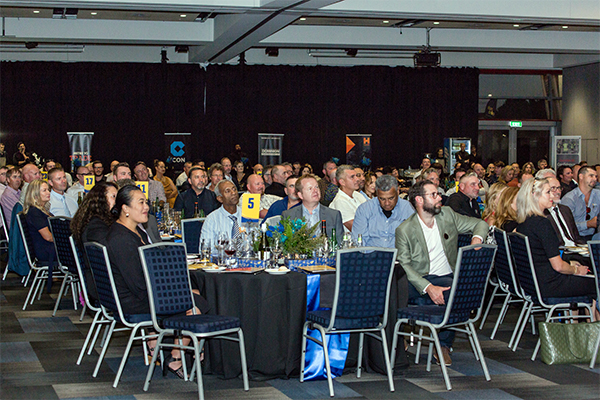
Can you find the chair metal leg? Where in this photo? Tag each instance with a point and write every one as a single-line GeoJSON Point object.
{"type": "Point", "coordinates": [83, 310]}
{"type": "Point", "coordinates": [438, 348]}
{"type": "Point", "coordinates": [60, 294]}
{"type": "Point", "coordinates": [303, 352]}
{"type": "Point", "coordinates": [533, 330]}
{"type": "Point", "coordinates": [419, 345]}
{"type": "Point", "coordinates": [396, 334]}
{"type": "Point", "coordinates": [243, 359]}
{"type": "Point", "coordinates": [25, 279]}
{"type": "Point", "coordinates": [5, 273]}
{"type": "Point", "coordinates": [473, 346]}
{"type": "Point", "coordinates": [88, 337]}
{"type": "Point", "coordinates": [386, 357]}
{"type": "Point", "coordinates": [429, 355]}
{"type": "Point", "coordinates": [103, 353]}
{"type": "Point", "coordinates": [153, 362]}
{"type": "Point", "coordinates": [132, 337]}
{"type": "Point", "coordinates": [501, 315]}
{"type": "Point", "coordinates": [74, 292]}
{"type": "Point", "coordinates": [326, 356]}
{"type": "Point", "coordinates": [489, 306]}
{"type": "Point", "coordinates": [361, 342]}
{"type": "Point", "coordinates": [518, 325]}
{"type": "Point", "coordinates": [481, 358]}
{"type": "Point", "coordinates": [32, 289]}
{"type": "Point", "coordinates": [93, 343]}
{"type": "Point", "coordinates": [522, 328]}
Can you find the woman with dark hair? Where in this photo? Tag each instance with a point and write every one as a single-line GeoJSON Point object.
{"type": "Point", "coordinates": [123, 239]}
{"type": "Point", "coordinates": [556, 277]}
{"type": "Point", "coordinates": [170, 188]}
{"type": "Point", "coordinates": [306, 169]}
{"type": "Point", "coordinates": [370, 179]}
{"type": "Point", "coordinates": [93, 217]}
{"type": "Point", "coordinates": [240, 177]}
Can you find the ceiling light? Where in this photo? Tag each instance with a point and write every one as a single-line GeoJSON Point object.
{"type": "Point", "coordinates": [386, 22]}
{"type": "Point", "coordinates": [94, 13]}
{"type": "Point", "coordinates": [489, 95]}
{"type": "Point", "coordinates": [565, 27]}
{"type": "Point", "coordinates": [36, 11]}
{"type": "Point", "coordinates": [516, 25]}
{"type": "Point", "coordinates": [302, 19]}
{"type": "Point", "coordinates": [436, 23]}
{"type": "Point", "coordinates": [183, 15]}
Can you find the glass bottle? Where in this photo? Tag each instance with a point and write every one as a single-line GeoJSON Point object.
{"type": "Point", "coordinates": [263, 247]}
{"type": "Point", "coordinates": [79, 198]}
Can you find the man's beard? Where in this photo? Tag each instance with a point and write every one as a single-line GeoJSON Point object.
{"type": "Point", "coordinates": [433, 209]}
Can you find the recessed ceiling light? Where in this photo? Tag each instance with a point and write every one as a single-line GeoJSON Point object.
{"type": "Point", "coordinates": [386, 22]}
{"type": "Point", "coordinates": [94, 13]}
{"type": "Point", "coordinates": [516, 25]}
{"type": "Point", "coordinates": [302, 19]}
{"type": "Point", "coordinates": [565, 27]}
{"type": "Point", "coordinates": [183, 15]}
{"type": "Point", "coordinates": [36, 11]}
{"type": "Point", "coordinates": [436, 23]}
{"type": "Point", "coordinates": [489, 95]}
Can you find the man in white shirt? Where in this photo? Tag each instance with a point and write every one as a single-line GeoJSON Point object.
{"type": "Point", "coordinates": [182, 178]}
{"type": "Point", "coordinates": [78, 187]}
{"type": "Point", "coordinates": [2, 180]}
{"type": "Point", "coordinates": [60, 204]}
{"type": "Point", "coordinates": [228, 217]}
{"type": "Point", "coordinates": [256, 185]}
{"type": "Point", "coordinates": [348, 198]}
{"type": "Point", "coordinates": [156, 190]}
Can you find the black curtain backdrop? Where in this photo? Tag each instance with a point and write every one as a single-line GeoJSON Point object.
{"type": "Point", "coordinates": [129, 106]}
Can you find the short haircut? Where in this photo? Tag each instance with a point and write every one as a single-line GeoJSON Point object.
{"type": "Point", "coordinates": [276, 168]}
{"type": "Point", "coordinates": [121, 164]}
{"type": "Point", "coordinates": [341, 171]}
{"type": "Point", "coordinates": [237, 162]}
{"type": "Point", "coordinates": [467, 176]}
{"type": "Point", "coordinates": [124, 182]}
{"type": "Point", "coordinates": [326, 163]}
{"type": "Point", "coordinates": [53, 171]}
{"type": "Point", "coordinates": [216, 167]}
{"type": "Point", "coordinates": [12, 171]}
{"type": "Point", "coordinates": [194, 169]}
{"type": "Point", "coordinates": [416, 190]}
{"type": "Point", "coordinates": [140, 163]}
{"type": "Point", "coordinates": [96, 162]}
{"type": "Point", "coordinates": [290, 177]}
{"type": "Point", "coordinates": [561, 170]}
{"type": "Point", "coordinates": [544, 173]}
{"type": "Point", "coordinates": [386, 183]}
{"type": "Point", "coordinates": [300, 181]}
{"type": "Point", "coordinates": [500, 164]}
{"type": "Point", "coordinates": [225, 158]}
{"type": "Point", "coordinates": [428, 172]}
{"type": "Point", "coordinates": [218, 187]}
{"type": "Point", "coordinates": [584, 171]}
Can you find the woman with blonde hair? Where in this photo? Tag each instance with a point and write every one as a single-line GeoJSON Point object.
{"type": "Point", "coordinates": [506, 174]}
{"type": "Point", "coordinates": [506, 210]}
{"type": "Point", "coordinates": [556, 277]}
{"type": "Point", "coordinates": [528, 168]}
{"type": "Point", "coordinates": [491, 202]}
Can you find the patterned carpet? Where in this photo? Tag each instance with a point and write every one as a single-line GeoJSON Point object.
{"type": "Point", "coordinates": [38, 354]}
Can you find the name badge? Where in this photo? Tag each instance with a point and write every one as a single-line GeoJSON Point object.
{"type": "Point", "coordinates": [143, 185]}
{"type": "Point", "coordinates": [88, 182]}
{"type": "Point", "coordinates": [250, 207]}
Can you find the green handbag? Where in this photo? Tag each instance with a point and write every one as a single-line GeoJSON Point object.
{"type": "Point", "coordinates": [568, 343]}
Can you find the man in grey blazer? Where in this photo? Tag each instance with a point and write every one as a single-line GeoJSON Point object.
{"type": "Point", "coordinates": [427, 244]}
{"type": "Point", "coordinates": [308, 191]}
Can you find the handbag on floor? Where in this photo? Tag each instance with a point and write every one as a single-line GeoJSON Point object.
{"type": "Point", "coordinates": [568, 343]}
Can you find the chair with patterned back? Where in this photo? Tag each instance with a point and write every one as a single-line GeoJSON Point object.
{"type": "Point", "coordinates": [170, 293]}
{"type": "Point", "coordinates": [466, 296]}
{"type": "Point", "coordinates": [61, 231]}
{"type": "Point", "coordinates": [525, 268]}
{"type": "Point", "coordinates": [363, 279]}
{"type": "Point", "coordinates": [97, 256]}
{"type": "Point", "coordinates": [594, 248]}
{"type": "Point", "coordinates": [93, 306]}
{"type": "Point", "coordinates": [4, 239]}
{"type": "Point", "coordinates": [190, 234]}
{"type": "Point", "coordinates": [464, 239]}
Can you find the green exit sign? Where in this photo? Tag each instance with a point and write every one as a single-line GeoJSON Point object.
{"type": "Point", "coordinates": [516, 124]}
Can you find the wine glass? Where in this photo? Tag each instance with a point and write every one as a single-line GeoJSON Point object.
{"type": "Point", "coordinates": [206, 249]}
{"type": "Point", "coordinates": [222, 240]}
{"type": "Point", "coordinates": [230, 249]}
{"type": "Point", "coordinates": [276, 250]}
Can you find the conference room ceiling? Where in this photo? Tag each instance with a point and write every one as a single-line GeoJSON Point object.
{"type": "Point", "coordinates": [219, 30]}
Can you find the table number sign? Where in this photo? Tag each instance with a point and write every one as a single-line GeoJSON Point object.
{"type": "Point", "coordinates": [143, 185]}
{"type": "Point", "coordinates": [250, 207]}
{"type": "Point", "coordinates": [44, 176]}
{"type": "Point", "coordinates": [88, 182]}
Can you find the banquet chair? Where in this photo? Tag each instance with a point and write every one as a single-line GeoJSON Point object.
{"type": "Point", "coordinates": [594, 248]}
{"type": "Point", "coordinates": [41, 271]}
{"type": "Point", "coordinates": [464, 239]}
{"type": "Point", "coordinates": [97, 256]}
{"type": "Point", "coordinates": [99, 318]}
{"type": "Point", "coordinates": [535, 303]}
{"type": "Point", "coordinates": [4, 240]}
{"type": "Point", "coordinates": [170, 293]}
{"type": "Point", "coordinates": [363, 278]}
{"type": "Point", "coordinates": [473, 268]}
{"type": "Point", "coordinates": [274, 220]}
{"type": "Point", "coordinates": [60, 227]}
{"type": "Point", "coordinates": [190, 234]}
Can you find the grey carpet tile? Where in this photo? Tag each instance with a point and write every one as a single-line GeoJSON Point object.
{"type": "Point", "coordinates": [17, 352]}
{"type": "Point", "coordinates": [20, 393]}
{"type": "Point", "coordinates": [404, 390]}
{"type": "Point", "coordinates": [253, 394]}
{"type": "Point", "coordinates": [460, 383]}
{"type": "Point", "coordinates": [19, 370]}
{"type": "Point", "coordinates": [489, 394]}
{"type": "Point", "coordinates": [10, 324]}
{"type": "Point", "coordinates": [47, 325]}
{"type": "Point", "coordinates": [578, 391]}
{"type": "Point", "coordinates": [297, 390]}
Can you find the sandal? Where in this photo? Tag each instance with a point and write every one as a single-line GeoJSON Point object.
{"type": "Point", "coordinates": [150, 354]}
{"type": "Point", "coordinates": [178, 372]}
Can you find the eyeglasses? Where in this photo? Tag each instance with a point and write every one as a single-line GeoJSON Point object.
{"type": "Point", "coordinates": [433, 195]}
{"type": "Point", "coordinates": [555, 189]}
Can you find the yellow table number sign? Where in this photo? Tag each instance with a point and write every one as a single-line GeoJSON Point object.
{"type": "Point", "coordinates": [250, 207]}
{"type": "Point", "coordinates": [88, 182]}
{"type": "Point", "coordinates": [143, 185]}
{"type": "Point", "coordinates": [44, 176]}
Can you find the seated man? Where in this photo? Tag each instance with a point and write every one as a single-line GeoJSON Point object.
{"type": "Point", "coordinates": [279, 174]}
{"type": "Point", "coordinates": [328, 184]}
{"type": "Point", "coordinates": [348, 198]}
{"type": "Point", "coordinates": [156, 190]}
{"type": "Point", "coordinates": [313, 211]}
{"type": "Point", "coordinates": [584, 202]}
{"type": "Point", "coordinates": [11, 194]}
{"type": "Point", "coordinates": [227, 218]}
{"type": "Point", "coordinates": [197, 196]}
{"type": "Point", "coordinates": [464, 201]}
{"type": "Point", "coordinates": [427, 244]}
{"type": "Point", "coordinates": [289, 201]}
{"type": "Point", "coordinates": [61, 205]}
{"type": "Point", "coordinates": [377, 219]}
{"type": "Point", "coordinates": [182, 178]}
{"type": "Point", "coordinates": [78, 187]}
{"type": "Point", "coordinates": [561, 217]}
{"type": "Point", "coordinates": [256, 185]}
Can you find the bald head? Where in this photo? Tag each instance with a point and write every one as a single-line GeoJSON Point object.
{"type": "Point", "coordinates": [30, 173]}
{"type": "Point", "coordinates": [255, 184]}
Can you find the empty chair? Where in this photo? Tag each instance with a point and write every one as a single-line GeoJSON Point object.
{"type": "Point", "coordinates": [170, 294]}
{"type": "Point", "coordinates": [363, 278]}
{"type": "Point", "coordinates": [111, 306]}
{"type": "Point", "coordinates": [190, 234]}
{"type": "Point", "coordinates": [466, 296]}
{"type": "Point", "coordinates": [61, 231]}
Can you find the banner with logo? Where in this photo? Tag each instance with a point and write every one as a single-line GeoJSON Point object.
{"type": "Point", "coordinates": [270, 147]}
{"type": "Point", "coordinates": [358, 149]}
{"type": "Point", "coordinates": [81, 148]}
{"type": "Point", "coordinates": [177, 150]}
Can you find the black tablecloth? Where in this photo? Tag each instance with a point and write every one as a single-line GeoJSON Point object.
{"type": "Point", "coordinates": [272, 310]}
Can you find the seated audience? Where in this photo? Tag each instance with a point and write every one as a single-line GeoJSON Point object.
{"type": "Point", "coordinates": [556, 277]}
{"type": "Point", "coordinates": [29, 172]}
{"type": "Point", "coordinates": [370, 188]}
{"type": "Point", "coordinates": [228, 217]}
{"type": "Point", "coordinates": [529, 168]}
{"type": "Point", "coordinates": [561, 217]}
{"type": "Point", "coordinates": [216, 175]}
{"type": "Point", "coordinates": [506, 209]}
{"type": "Point", "coordinates": [168, 185]}
{"type": "Point", "coordinates": [11, 194]}
{"type": "Point", "coordinates": [36, 211]}
{"type": "Point", "coordinates": [565, 174]}
{"type": "Point", "coordinates": [256, 185]}
{"type": "Point", "coordinates": [78, 188]}
{"type": "Point", "coordinates": [506, 175]}
{"type": "Point", "coordinates": [61, 205]}
{"type": "Point", "coordinates": [182, 178]}
{"type": "Point", "coordinates": [491, 202]}
{"type": "Point", "coordinates": [584, 202]}
{"type": "Point", "coordinates": [328, 185]}
{"type": "Point", "coordinates": [3, 170]}
{"type": "Point", "coordinates": [289, 201]}
{"type": "Point", "coordinates": [197, 196]}
{"type": "Point", "coordinates": [239, 176]}
{"type": "Point", "coordinates": [465, 200]}
{"type": "Point", "coordinates": [348, 198]}
{"type": "Point", "coordinates": [156, 190]}
{"type": "Point", "coordinates": [279, 174]}
{"type": "Point", "coordinates": [306, 169]}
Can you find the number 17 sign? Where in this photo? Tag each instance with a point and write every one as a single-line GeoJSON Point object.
{"type": "Point", "coordinates": [88, 182]}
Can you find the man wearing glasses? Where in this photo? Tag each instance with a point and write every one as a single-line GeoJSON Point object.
{"type": "Point", "coordinates": [584, 202]}
{"type": "Point", "coordinates": [427, 244]}
{"type": "Point", "coordinates": [78, 187]}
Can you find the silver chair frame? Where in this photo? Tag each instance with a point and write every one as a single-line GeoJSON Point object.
{"type": "Point", "coordinates": [596, 269]}
{"type": "Point", "coordinates": [191, 220]}
{"type": "Point", "coordinates": [68, 279]}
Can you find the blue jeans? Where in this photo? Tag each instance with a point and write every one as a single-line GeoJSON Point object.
{"type": "Point", "coordinates": [414, 297]}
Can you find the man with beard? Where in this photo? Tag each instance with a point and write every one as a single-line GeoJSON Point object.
{"type": "Point", "coordinates": [289, 201]}
{"type": "Point", "coordinates": [197, 196]}
{"type": "Point", "coordinates": [427, 244]}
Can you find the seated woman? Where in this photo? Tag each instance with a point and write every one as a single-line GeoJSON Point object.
{"type": "Point", "coordinates": [370, 179]}
{"type": "Point", "coordinates": [556, 277]}
{"type": "Point", "coordinates": [239, 176]}
{"type": "Point", "coordinates": [123, 239]}
{"type": "Point", "coordinates": [92, 221]}
{"type": "Point", "coordinates": [35, 209]}
{"type": "Point", "coordinates": [506, 210]}
{"type": "Point", "coordinates": [306, 169]}
{"type": "Point", "coordinates": [170, 188]}
{"type": "Point", "coordinates": [491, 202]}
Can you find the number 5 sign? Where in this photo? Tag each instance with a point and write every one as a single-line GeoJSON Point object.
{"type": "Point", "coordinates": [88, 182]}
{"type": "Point", "coordinates": [250, 206]}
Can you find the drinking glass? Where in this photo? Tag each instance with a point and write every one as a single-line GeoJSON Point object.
{"type": "Point", "coordinates": [222, 240]}
{"type": "Point", "coordinates": [276, 250]}
{"type": "Point", "coordinates": [206, 249]}
{"type": "Point", "coordinates": [230, 249]}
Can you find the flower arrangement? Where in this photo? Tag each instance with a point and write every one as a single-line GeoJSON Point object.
{"type": "Point", "coordinates": [295, 236]}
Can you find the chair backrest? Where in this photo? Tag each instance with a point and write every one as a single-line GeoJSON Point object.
{"type": "Point", "coordinates": [519, 245]}
{"type": "Point", "coordinates": [27, 240]}
{"type": "Point", "coordinates": [274, 220]}
{"type": "Point", "coordinates": [61, 231]}
{"type": "Point", "coordinates": [362, 283]}
{"type": "Point", "coordinates": [190, 233]}
{"type": "Point", "coordinates": [594, 247]}
{"type": "Point", "coordinates": [167, 278]}
{"type": "Point", "coordinates": [5, 224]}
{"type": "Point", "coordinates": [464, 239]}
{"type": "Point", "coordinates": [473, 268]}
{"type": "Point", "coordinates": [81, 265]}
{"type": "Point", "coordinates": [504, 264]}
{"type": "Point", "coordinates": [97, 256]}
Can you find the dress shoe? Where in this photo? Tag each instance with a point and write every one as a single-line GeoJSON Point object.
{"type": "Point", "coordinates": [445, 356]}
